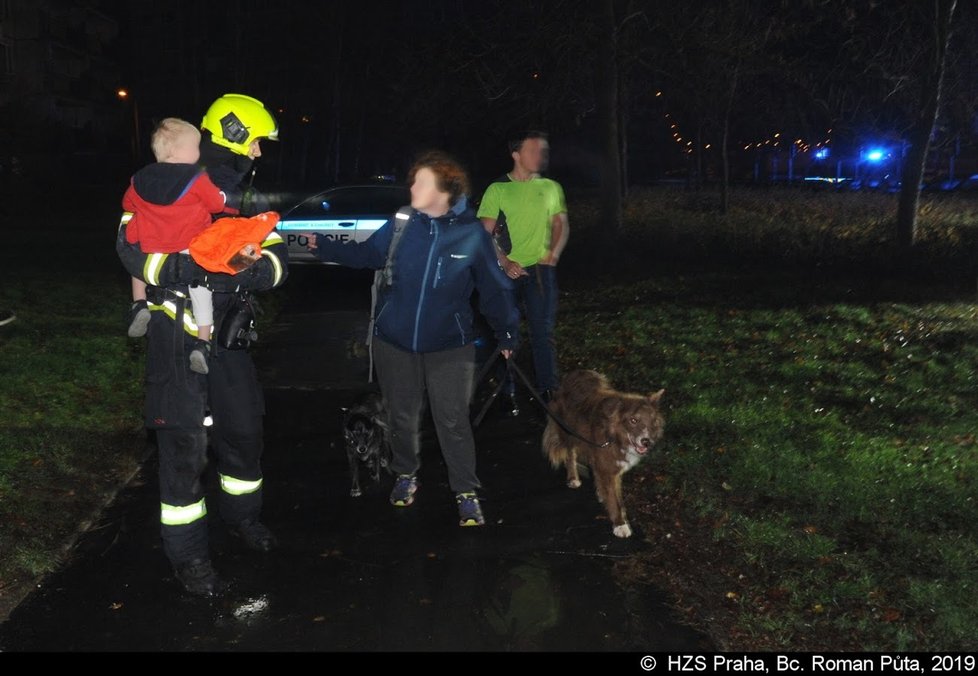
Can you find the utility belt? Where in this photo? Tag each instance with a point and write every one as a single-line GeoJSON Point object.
{"type": "Point", "coordinates": [172, 303]}
{"type": "Point", "coordinates": [235, 328]}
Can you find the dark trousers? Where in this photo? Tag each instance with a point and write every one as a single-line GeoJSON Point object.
{"type": "Point", "coordinates": [176, 402]}
{"type": "Point", "coordinates": [237, 406]}
{"type": "Point", "coordinates": [536, 295]}
{"type": "Point", "coordinates": [446, 377]}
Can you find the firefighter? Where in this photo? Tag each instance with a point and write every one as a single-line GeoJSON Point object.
{"type": "Point", "coordinates": [177, 399]}
{"type": "Point", "coordinates": [233, 128]}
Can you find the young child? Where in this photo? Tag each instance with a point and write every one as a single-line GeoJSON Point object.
{"type": "Point", "coordinates": [172, 201]}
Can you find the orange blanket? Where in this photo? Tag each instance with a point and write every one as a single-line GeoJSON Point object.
{"type": "Point", "coordinates": [232, 244]}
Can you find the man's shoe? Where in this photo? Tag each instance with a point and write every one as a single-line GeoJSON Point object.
{"type": "Point", "coordinates": [255, 536]}
{"type": "Point", "coordinates": [198, 578]}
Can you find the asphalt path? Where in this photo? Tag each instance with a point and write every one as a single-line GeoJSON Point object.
{"type": "Point", "coordinates": [356, 574]}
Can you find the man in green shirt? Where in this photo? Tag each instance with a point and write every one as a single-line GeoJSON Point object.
{"type": "Point", "coordinates": [534, 213]}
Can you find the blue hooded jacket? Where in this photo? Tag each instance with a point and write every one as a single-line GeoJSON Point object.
{"type": "Point", "coordinates": [437, 264]}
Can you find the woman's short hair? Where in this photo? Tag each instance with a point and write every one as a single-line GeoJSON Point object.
{"type": "Point", "coordinates": [168, 135]}
{"type": "Point", "coordinates": [450, 177]}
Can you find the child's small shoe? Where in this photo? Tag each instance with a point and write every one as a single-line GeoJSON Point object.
{"type": "Point", "coordinates": [199, 355]}
{"type": "Point", "coordinates": [138, 319]}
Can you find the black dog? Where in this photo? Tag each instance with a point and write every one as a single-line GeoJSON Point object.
{"type": "Point", "coordinates": [366, 433]}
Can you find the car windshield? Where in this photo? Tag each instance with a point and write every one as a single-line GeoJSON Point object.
{"type": "Point", "coordinates": [361, 200]}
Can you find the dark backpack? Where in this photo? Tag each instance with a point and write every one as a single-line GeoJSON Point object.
{"type": "Point", "coordinates": [384, 278]}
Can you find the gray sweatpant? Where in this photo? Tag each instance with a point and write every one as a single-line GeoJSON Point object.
{"type": "Point", "coordinates": [446, 377]}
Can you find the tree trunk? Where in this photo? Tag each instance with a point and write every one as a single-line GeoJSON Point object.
{"type": "Point", "coordinates": [725, 143]}
{"type": "Point", "coordinates": [923, 127]}
{"type": "Point", "coordinates": [725, 164]}
{"type": "Point", "coordinates": [337, 111]}
{"type": "Point", "coordinates": [698, 153]}
{"type": "Point", "coordinates": [623, 106]}
{"type": "Point", "coordinates": [360, 129]}
{"type": "Point", "coordinates": [608, 87]}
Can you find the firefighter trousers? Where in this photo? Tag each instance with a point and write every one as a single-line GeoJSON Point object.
{"type": "Point", "coordinates": [177, 400]}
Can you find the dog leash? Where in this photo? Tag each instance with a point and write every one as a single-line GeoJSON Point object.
{"type": "Point", "coordinates": [511, 365]}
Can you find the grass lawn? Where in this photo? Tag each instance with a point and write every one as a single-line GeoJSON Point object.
{"type": "Point", "coordinates": [71, 391]}
{"type": "Point", "coordinates": [816, 489]}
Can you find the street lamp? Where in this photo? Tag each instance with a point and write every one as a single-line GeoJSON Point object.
{"type": "Point", "coordinates": [125, 95]}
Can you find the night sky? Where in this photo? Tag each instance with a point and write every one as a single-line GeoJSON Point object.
{"type": "Point", "coordinates": [360, 87]}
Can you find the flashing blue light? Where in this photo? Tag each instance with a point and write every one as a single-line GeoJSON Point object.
{"type": "Point", "coordinates": [821, 153]}
{"type": "Point", "coordinates": [875, 155]}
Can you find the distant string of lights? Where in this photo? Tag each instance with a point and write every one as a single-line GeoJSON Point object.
{"type": "Point", "coordinates": [820, 148]}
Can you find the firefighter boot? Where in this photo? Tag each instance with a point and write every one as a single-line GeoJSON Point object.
{"type": "Point", "coordinates": [255, 535]}
{"type": "Point", "coordinates": [198, 578]}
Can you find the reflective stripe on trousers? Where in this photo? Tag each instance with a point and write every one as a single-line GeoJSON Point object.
{"type": "Point", "coordinates": [171, 515]}
{"type": "Point", "coordinates": [233, 486]}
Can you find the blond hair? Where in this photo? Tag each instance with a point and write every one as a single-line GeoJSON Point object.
{"type": "Point", "coordinates": [169, 134]}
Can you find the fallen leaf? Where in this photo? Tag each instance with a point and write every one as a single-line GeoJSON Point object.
{"type": "Point", "coordinates": [811, 530]}
{"type": "Point", "coordinates": [891, 615]}
{"type": "Point", "coordinates": [733, 596]}
{"type": "Point", "coordinates": [115, 606]}
{"type": "Point", "coordinates": [319, 618]}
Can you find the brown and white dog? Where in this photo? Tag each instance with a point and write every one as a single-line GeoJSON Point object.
{"type": "Point", "coordinates": [630, 423]}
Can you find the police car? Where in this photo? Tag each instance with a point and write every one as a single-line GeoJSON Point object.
{"type": "Point", "coordinates": [346, 213]}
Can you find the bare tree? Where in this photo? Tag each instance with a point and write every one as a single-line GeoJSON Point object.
{"type": "Point", "coordinates": [931, 71]}
{"type": "Point", "coordinates": [608, 82]}
{"type": "Point", "coordinates": [895, 60]}
{"type": "Point", "coordinates": [715, 58]}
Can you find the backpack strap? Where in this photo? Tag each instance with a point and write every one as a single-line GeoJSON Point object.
{"type": "Point", "coordinates": [401, 218]}
{"type": "Point", "coordinates": [383, 279]}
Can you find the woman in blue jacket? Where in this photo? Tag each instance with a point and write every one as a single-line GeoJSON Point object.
{"type": "Point", "coordinates": [423, 334]}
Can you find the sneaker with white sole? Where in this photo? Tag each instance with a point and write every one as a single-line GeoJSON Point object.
{"type": "Point", "coordinates": [469, 510]}
{"type": "Point", "coordinates": [199, 355]}
{"type": "Point", "coordinates": [405, 487]}
{"type": "Point", "coordinates": [139, 317]}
